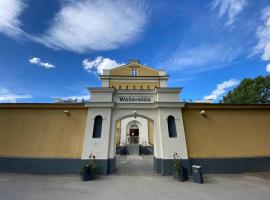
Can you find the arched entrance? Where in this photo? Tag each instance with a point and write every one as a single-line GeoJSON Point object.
{"type": "Point", "coordinates": [134, 136]}
{"type": "Point", "coordinates": [134, 133]}
{"type": "Point", "coordinates": [134, 145]}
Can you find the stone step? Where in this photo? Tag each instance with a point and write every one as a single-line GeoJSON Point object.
{"type": "Point", "coordinates": [134, 157]}
{"type": "Point", "coordinates": [135, 165]}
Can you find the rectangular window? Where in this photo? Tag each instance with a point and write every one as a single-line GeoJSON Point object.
{"type": "Point", "coordinates": [134, 72]}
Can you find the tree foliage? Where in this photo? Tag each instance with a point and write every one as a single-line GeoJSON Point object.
{"type": "Point", "coordinates": [250, 91]}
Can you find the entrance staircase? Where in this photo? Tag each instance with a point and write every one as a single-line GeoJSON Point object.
{"type": "Point", "coordinates": [134, 165]}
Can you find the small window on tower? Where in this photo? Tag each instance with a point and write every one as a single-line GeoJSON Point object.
{"type": "Point", "coordinates": [171, 127]}
{"type": "Point", "coordinates": [127, 87]}
{"type": "Point", "coordinates": [134, 72]}
{"type": "Point", "coordinates": [119, 87]}
{"type": "Point", "coordinates": [97, 127]}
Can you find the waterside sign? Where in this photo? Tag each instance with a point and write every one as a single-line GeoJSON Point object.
{"type": "Point", "coordinates": [135, 99]}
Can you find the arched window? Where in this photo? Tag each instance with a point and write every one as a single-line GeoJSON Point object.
{"type": "Point", "coordinates": [119, 87]}
{"type": "Point", "coordinates": [141, 87]}
{"type": "Point", "coordinates": [127, 87]}
{"type": "Point", "coordinates": [134, 87]}
{"type": "Point", "coordinates": [97, 127]}
{"type": "Point", "coordinates": [171, 127]}
{"type": "Point", "coordinates": [148, 87]}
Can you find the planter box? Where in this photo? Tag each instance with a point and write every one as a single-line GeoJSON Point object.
{"type": "Point", "coordinates": [87, 174]}
{"type": "Point", "coordinates": [181, 175]}
{"type": "Point", "coordinates": [146, 150]}
{"type": "Point", "coordinates": [123, 151]}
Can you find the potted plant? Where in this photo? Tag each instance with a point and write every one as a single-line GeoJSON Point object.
{"type": "Point", "coordinates": [89, 170]}
{"type": "Point", "coordinates": [179, 172]}
{"type": "Point", "coordinates": [123, 150]}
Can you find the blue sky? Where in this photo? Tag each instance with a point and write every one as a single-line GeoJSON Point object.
{"type": "Point", "coordinates": [55, 48]}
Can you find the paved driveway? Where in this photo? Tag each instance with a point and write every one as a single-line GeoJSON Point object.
{"type": "Point", "coordinates": [63, 187]}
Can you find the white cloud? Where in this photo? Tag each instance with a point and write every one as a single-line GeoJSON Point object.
{"type": "Point", "coordinates": [268, 68]}
{"type": "Point", "coordinates": [85, 25]}
{"type": "Point", "coordinates": [221, 89]}
{"type": "Point", "coordinates": [201, 58]}
{"type": "Point", "coordinates": [7, 96]}
{"type": "Point", "coordinates": [229, 8]}
{"type": "Point", "coordinates": [10, 11]}
{"type": "Point", "coordinates": [263, 35]}
{"type": "Point", "coordinates": [99, 63]}
{"type": "Point", "coordinates": [37, 61]}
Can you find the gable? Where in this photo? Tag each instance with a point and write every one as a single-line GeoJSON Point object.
{"type": "Point", "coordinates": [125, 70]}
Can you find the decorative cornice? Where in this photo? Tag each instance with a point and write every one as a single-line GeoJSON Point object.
{"type": "Point", "coordinates": [170, 104]}
{"type": "Point", "coordinates": [99, 104]}
{"type": "Point", "coordinates": [123, 91]}
{"type": "Point", "coordinates": [225, 106]}
{"type": "Point", "coordinates": [111, 77]}
{"type": "Point", "coordinates": [135, 105]}
{"type": "Point", "coordinates": [43, 105]}
{"type": "Point", "coordinates": [169, 90]}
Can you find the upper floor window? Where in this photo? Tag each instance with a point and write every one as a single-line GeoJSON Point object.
{"type": "Point", "coordinates": [134, 72]}
{"type": "Point", "coordinates": [171, 127]}
{"type": "Point", "coordinates": [97, 127]}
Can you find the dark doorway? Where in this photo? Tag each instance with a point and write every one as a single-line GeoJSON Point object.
{"type": "Point", "coordinates": [134, 135]}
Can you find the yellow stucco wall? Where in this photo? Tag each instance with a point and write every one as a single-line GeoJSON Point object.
{"type": "Point", "coordinates": [118, 132]}
{"type": "Point", "coordinates": [131, 85]}
{"type": "Point", "coordinates": [150, 132]}
{"type": "Point", "coordinates": [227, 131]}
{"type": "Point", "coordinates": [126, 70]}
{"type": "Point", "coordinates": [42, 131]}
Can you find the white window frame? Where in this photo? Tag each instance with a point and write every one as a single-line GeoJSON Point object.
{"type": "Point", "coordinates": [134, 72]}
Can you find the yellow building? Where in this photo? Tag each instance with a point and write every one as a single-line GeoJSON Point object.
{"type": "Point", "coordinates": [134, 76]}
{"type": "Point", "coordinates": [134, 112]}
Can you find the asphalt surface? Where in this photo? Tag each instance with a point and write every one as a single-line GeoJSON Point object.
{"type": "Point", "coordinates": [134, 180]}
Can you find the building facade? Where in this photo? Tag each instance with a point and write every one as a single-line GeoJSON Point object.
{"type": "Point", "coordinates": [136, 113]}
{"type": "Point", "coordinates": [135, 107]}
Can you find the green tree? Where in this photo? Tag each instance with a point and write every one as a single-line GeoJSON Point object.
{"type": "Point", "coordinates": [250, 91]}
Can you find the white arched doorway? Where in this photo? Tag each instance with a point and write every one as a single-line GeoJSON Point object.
{"type": "Point", "coordinates": [133, 132]}
{"type": "Point", "coordinates": [134, 129]}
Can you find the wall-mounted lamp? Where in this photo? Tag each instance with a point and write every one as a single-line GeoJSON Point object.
{"type": "Point", "coordinates": [203, 113]}
{"type": "Point", "coordinates": [135, 113]}
{"type": "Point", "coordinates": [67, 112]}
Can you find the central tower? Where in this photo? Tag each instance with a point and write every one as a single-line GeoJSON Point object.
{"type": "Point", "coordinates": [135, 108]}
